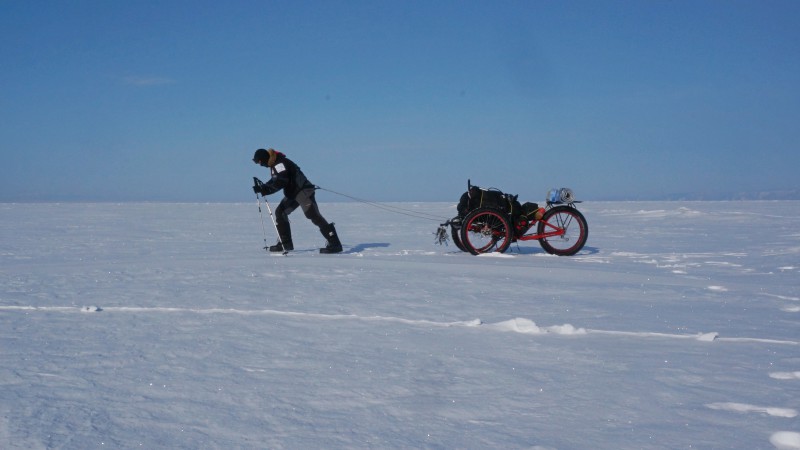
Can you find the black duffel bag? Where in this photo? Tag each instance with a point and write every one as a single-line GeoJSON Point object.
{"type": "Point", "coordinates": [477, 197]}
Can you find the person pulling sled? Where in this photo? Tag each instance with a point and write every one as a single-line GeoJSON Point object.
{"type": "Point", "coordinates": [298, 191]}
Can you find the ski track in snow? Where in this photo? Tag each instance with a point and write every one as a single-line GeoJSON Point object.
{"type": "Point", "coordinates": [516, 325]}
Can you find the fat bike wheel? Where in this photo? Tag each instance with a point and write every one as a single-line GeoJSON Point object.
{"type": "Point", "coordinates": [570, 227]}
{"type": "Point", "coordinates": [485, 230]}
{"type": "Point", "coordinates": [455, 231]}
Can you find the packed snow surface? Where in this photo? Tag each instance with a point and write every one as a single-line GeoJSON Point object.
{"type": "Point", "coordinates": [168, 326]}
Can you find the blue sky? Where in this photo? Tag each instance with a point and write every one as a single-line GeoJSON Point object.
{"type": "Point", "coordinates": [398, 100]}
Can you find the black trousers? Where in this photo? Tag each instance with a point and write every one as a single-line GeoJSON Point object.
{"type": "Point", "coordinates": [306, 201]}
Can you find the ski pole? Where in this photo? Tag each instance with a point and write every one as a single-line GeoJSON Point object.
{"type": "Point", "coordinates": [266, 202]}
{"type": "Point", "coordinates": [285, 252]}
{"type": "Point", "coordinates": [263, 229]}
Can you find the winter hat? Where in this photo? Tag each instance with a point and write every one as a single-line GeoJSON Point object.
{"type": "Point", "coordinates": [260, 155]}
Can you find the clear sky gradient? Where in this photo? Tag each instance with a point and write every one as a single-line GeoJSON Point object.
{"type": "Point", "coordinates": [398, 100]}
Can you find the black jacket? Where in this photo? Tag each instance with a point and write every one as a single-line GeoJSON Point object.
{"type": "Point", "coordinates": [286, 175]}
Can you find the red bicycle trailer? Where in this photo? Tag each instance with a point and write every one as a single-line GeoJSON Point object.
{"type": "Point", "coordinates": [489, 221]}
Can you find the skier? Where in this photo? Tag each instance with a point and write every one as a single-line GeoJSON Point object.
{"type": "Point", "coordinates": [297, 191]}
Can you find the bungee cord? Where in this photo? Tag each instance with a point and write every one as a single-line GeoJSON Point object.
{"type": "Point", "coordinates": [393, 209]}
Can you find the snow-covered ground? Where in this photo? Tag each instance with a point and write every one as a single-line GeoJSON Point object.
{"type": "Point", "coordinates": [167, 326]}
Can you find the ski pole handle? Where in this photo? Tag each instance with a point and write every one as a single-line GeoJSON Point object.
{"type": "Point", "coordinates": [257, 185]}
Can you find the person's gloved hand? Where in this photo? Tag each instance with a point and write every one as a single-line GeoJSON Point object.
{"type": "Point", "coordinates": [258, 186]}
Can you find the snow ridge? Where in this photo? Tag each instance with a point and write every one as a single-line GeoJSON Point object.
{"type": "Point", "coordinates": [516, 325]}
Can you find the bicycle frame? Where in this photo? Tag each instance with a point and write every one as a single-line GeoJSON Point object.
{"type": "Point", "coordinates": [557, 231]}
{"type": "Point", "coordinates": [521, 228]}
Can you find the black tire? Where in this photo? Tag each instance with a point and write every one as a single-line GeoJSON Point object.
{"type": "Point", "coordinates": [455, 231]}
{"type": "Point", "coordinates": [576, 231]}
{"type": "Point", "coordinates": [485, 230]}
